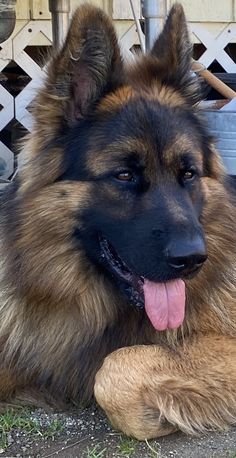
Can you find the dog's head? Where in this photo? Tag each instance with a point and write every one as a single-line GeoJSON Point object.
{"type": "Point", "coordinates": [117, 161]}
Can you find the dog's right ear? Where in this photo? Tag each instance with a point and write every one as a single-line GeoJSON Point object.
{"type": "Point", "coordinates": [84, 70]}
{"type": "Point", "coordinates": [88, 66]}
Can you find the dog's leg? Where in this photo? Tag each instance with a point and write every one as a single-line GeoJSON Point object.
{"type": "Point", "coordinates": [11, 389]}
{"type": "Point", "coordinates": [16, 392]}
{"type": "Point", "coordinates": [8, 384]}
{"type": "Point", "coordinates": [150, 391]}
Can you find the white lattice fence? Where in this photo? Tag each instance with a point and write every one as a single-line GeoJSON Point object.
{"type": "Point", "coordinates": [16, 107]}
{"type": "Point", "coordinates": [20, 42]}
{"type": "Point", "coordinates": [215, 46]}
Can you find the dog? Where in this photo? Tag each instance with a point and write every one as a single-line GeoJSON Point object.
{"type": "Point", "coordinates": [118, 243]}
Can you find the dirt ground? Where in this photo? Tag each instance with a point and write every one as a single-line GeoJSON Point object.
{"type": "Point", "coordinates": [88, 434]}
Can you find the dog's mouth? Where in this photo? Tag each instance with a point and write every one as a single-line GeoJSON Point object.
{"type": "Point", "coordinates": [133, 283]}
{"type": "Point", "coordinates": [164, 302]}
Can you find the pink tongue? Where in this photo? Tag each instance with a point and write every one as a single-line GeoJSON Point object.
{"type": "Point", "coordinates": [165, 303]}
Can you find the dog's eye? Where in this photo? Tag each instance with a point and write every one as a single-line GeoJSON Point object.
{"type": "Point", "coordinates": [125, 176]}
{"type": "Point", "coordinates": [189, 175]}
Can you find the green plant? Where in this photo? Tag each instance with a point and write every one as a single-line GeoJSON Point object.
{"type": "Point", "coordinates": [153, 452]}
{"type": "Point", "coordinates": [126, 447]}
{"type": "Point", "coordinates": [20, 419]}
{"type": "Point", "coordinates": [95, 452]}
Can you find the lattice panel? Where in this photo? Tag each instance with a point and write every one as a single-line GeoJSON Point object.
{"type": "Point", "coordinates": [215, 46]}
{"type": "Point", "coordinates": [16, 106]}
{"type": "Point", "coordinates": [129, 39]}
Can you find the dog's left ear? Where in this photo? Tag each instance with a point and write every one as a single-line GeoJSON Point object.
{"type": "Point", "coordinates": [169, 61]}
{"type": "Point", "coordinates": [173, 50]}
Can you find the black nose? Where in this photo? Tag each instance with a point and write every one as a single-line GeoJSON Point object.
{"type": "Point", "coordinates": [186, 256]}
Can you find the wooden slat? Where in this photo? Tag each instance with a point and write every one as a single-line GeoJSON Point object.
{"type": "Point", "coordinates": [22, 9]}
{"type": "Point", "coordinates": [208, 10]}
{"type": "Point", "coordinates": [39, 9]}
{"type": "Point", "coordinates": [104, 4]}
{"type": "Point", "coordinates": [122, 9]}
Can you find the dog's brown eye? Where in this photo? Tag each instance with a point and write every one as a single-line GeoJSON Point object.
{"type": "Point", "coordinates": [189, 175]}
{"type": "Point", "coordinates": [125, 176]}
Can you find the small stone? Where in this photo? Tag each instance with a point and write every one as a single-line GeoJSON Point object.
{"type": "Point", "coordinates": [10, 439]}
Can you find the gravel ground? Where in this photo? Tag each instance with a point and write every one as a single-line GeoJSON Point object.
{"type": "Point", "coordinates": [87, 434]}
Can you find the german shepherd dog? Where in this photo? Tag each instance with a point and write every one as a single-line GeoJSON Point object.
{"type": "Point", "coordinates": [118, 258]}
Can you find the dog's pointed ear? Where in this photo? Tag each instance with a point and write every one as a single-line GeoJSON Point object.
{"type": "Point", "coordinates": [173, 51]}
{"type": "Point", "coordinates": [173, 45]}
{"type": "Point", "coordinates": [88, 65]}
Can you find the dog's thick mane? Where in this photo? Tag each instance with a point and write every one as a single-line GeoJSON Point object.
{"type": "Point", "coordinates": [99, 312]}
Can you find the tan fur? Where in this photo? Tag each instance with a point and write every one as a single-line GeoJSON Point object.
{"type": "Point", "coordinates": [60, 316]}
{"type": "Point", "coordinates": [152, 391]}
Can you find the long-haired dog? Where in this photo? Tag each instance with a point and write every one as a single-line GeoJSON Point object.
{"type": "Point", "coordinates": [119, 234]}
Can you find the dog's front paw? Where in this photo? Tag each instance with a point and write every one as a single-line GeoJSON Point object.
{"type": "Point", "coordinates": [120, 389]}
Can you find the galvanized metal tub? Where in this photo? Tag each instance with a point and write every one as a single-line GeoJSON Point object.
{"type": "Point", "coordinates": [223, 127]}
